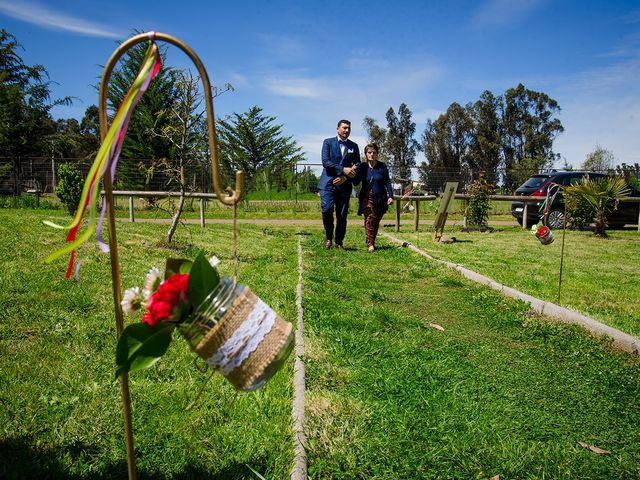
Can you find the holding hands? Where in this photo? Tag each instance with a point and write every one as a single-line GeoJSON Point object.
{"type": "Point", "coordinates": [350, 171]}
{"type": "Point", "coordinates": [339, 180]}
{"type": "Point", "coordinates": [347, 172]}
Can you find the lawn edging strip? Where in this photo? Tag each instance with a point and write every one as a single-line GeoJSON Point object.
{"type": "Point", "coordinates": [621, 340]}
{"type": "Point", "coordinates": [299, 469]}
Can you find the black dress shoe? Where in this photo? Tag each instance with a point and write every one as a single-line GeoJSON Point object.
{"type": "Point", "coordinates": [339, 247]}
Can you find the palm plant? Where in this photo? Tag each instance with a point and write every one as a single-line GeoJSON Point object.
{"type": "Point", "coordinates": [603, 194]}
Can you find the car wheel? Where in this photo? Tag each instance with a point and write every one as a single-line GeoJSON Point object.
{"type": "Point", "coordinates": [555, 219]}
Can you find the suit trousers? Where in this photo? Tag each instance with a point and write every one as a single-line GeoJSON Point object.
{"type": "Point", "coordinates": [338, 199]}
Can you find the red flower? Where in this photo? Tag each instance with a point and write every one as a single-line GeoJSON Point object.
{"type": "Point", "coordinates": [165, 300]}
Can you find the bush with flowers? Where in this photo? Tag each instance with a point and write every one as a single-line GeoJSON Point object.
{"type": "Point", "coordinates": [169, 302]}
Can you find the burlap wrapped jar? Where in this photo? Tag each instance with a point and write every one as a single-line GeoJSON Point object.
{"type": "Point", "coordinates": [240, 336]}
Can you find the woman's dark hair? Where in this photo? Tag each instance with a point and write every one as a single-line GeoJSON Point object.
{"type": "Point", "coordinates": [371, 146]}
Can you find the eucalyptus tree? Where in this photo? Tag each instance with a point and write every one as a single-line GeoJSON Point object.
{"type": "Point", "coordinates": [446, 144]}
{"type": "Point", "coordinates": [400, 144]}
{"type": "Point", "coordinates": [484, 147]}
{"type": "Point", "coordinates": [528, 130]}
{"type": "Point", "coordinates": [378, 135]}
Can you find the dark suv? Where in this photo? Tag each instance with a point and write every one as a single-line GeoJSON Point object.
{"type": "Point", "coordinates": [538, 185]}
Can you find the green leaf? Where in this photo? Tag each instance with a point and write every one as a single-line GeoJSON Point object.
{"type": "Point", "coordinates": [177, 265]}
{"type": "Point", "coordinates": [202, 279]}
{"type": "Point", "coordinates": [142, 345]}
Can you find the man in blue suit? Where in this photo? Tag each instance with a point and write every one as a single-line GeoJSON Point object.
{"type": "Point", "coordinates": [340, 158]}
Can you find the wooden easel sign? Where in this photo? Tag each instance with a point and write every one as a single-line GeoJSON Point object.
{"type": "Point", "coordinates": [446, 206]}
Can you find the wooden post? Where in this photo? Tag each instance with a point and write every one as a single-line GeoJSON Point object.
{"type": "Point", "coordinates": [202, 212]}
{"type": "Point", "coordinates": [525, 214]}
{"type": "Point", "coordinates": [416, 216]}
{"type": "Point", "coordinates": [131, 218]}
{"type": "Point", "coordinates": [397, 214]}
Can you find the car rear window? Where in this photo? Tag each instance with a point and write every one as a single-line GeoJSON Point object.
{"type": "Point", "coordinates": [535, 181]}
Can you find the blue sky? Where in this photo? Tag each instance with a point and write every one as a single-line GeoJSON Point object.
{"type": "Point", "coordinates": [310, 63]}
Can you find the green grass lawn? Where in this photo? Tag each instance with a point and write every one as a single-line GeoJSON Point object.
{"type": "Point", "coordinates": [61, 415]}
{"type": "Point", "coordinates": [499, 391]}
{"type": "Point", "coordinates": [599, 277]}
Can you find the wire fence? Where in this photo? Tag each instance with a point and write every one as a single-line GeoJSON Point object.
{"type": "Point", "coordinates": [40, 175]}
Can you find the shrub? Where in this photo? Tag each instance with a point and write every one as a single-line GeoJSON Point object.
{"type": "Point", "coordinates": [479, 201]}
{"type": "Point", "coordinates": [603, 195]}
{"type": "Point", "coordinates": [69, 187]}
{"type": "Point", "coordinates": [580, 213]}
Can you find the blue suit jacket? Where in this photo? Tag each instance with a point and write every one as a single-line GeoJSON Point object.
{"type": "Point", "coordinates": [333, 163]}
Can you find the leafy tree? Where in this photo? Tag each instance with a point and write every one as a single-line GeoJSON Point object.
{"type": "Point", "coordinates": [251, 142]}
{"type": "Point", "coordinates": [399, 144]}
{"type": "Point", "coordinates": [183, 126]}
{"type": "Point", "coordinates": [66, 141]}
{"type": "Point", "coordinates": [600, 160]}
{"type": "Point", "coordinates": [433, 172]}
{"type": "Point", "coordinates": [528, 129]}
{"type": "Point", "coordinates": [69, 187]}
{"type": "Point", "coordinates": [378, 135]}
{"type": "Point", "coordinates": [25, 106]}
{"type": "Point", "coordinates": [631, 174]}
{"type": "Point", "coordinates": [484, 148]}
{"type": "Point", "coordinates": [446, 145]}
{"type": "Point", "coordinates": [603, 194]}
{"type": "Point", "coordinates": [90, 132]}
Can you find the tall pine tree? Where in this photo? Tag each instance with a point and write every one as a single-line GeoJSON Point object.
{"type": "Point", "coordinates": [251, 142]}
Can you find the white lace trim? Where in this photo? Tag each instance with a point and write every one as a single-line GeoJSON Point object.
{"type": "Point", "coordinates": [244, 340]}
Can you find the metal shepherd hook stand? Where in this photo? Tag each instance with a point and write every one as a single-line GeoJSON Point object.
{"type": "Point", "coordinates": [228, 199]}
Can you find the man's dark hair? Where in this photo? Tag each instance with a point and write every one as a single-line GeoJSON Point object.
{"type": "Point", "coordinates": [343, 121]}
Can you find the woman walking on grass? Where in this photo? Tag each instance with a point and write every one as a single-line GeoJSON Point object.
{"type": "Point", "coordinates": [375, 194]}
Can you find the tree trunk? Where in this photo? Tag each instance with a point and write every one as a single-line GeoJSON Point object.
{"type": "Point", "coordinates": [176, 217]}
{"type": "Point", "coordinates": [181, 200]}
{"type": "Point", "coordinates": [600, 222]}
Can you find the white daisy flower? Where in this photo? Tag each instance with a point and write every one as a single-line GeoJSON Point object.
{"type": "Point", "coordinates": [151, 282]}
{"type": "Point", "coordinates": [131, 300]}
{"type": "Point", "coordinates": [214, 261]}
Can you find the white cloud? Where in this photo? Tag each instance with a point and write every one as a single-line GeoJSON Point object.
{"type": "Point", "coordinates": [496, 13]}
{"type": "Point", "coordinates": [43, 16]}
{"type": "Point", "coordinates": [282, 46]}
{"type": "Point", "coordinates": [292, 85]}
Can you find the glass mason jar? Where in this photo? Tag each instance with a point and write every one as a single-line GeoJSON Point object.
{"type": "Point", "coordinates": [238, 335]}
